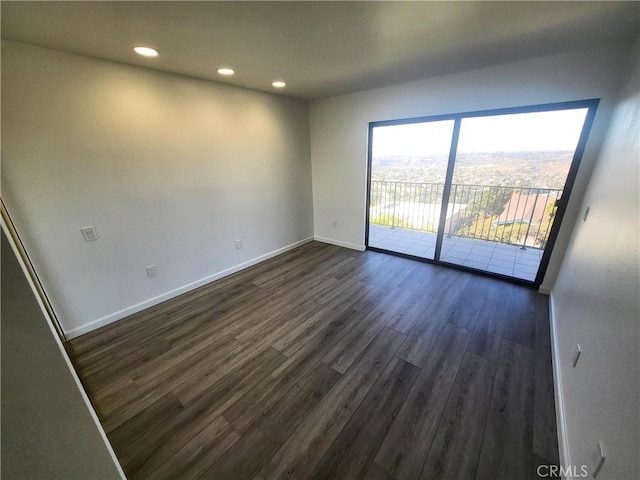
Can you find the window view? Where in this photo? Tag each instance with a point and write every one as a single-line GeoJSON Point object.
{"type": "Point", "coordinates": [509, 171]}
{"type": "Point", "coordinates": [408, 170]}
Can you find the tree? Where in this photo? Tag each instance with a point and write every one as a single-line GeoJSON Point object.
{"type": "Point", "coordinates": [484, 207]}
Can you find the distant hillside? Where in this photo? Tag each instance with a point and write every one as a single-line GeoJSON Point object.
{"type": "Point", "coordinates": [526, 169]}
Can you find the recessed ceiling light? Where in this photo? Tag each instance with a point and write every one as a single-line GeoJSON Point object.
{"type": "Point", "coordinates": [226, 71]}
{"type": "Point", "coordinates": [279, 84]}
{"type": "Point", "coordinates": [146, 51]}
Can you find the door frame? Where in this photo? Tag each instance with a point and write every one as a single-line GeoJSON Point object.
{"type": "Point", "coordinates": [590, 104]}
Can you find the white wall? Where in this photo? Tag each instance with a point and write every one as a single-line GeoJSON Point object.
{"type": "Point", "coordinates": [170, 170]}
{"type": "Point", "coordinates": [339, 128]}
{"type": "Point", "coordinates": [595, 302]}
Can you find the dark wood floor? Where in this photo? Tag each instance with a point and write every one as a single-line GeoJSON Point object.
{"type": "Point", "coordinates": [329, 363]}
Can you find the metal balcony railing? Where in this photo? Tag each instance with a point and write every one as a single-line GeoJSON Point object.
{"type": "Point", "coordinates": [512, 215]}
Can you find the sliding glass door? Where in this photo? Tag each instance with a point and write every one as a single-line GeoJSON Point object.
{"type": "Point", "coordinates": [408, 170]}
{"type": "Point", "coordinates": [484, 191]}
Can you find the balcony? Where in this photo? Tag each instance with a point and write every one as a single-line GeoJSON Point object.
{"type": "Point", "coordinates": [500, 229]}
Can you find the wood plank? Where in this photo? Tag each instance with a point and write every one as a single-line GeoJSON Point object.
{"type": "Point", "coordinates": [333, 310]}
{"type": "Point", "coordinates": [306, 446]}
{"type": "Point", "coordinates": [120, 406]}
{"type": "Point", "coordinates": [180, 358]}
{"type": "Point", "coordinates": [416, 349]}
{"type": "Point", "coordinates": [271, 389]}
{"type": "Point", "coordinates": [342, 291]}
{"type": "Point", "coordinates": [232, 387]}
{"type": "Point", "coordinates": [245, 458]}
{"type": "Point", "coordinates": [432, 283]}
{"type": "Point", "coordinates": [311, 288]}
{"type": "Point", "coordinates": [99, 388]}
{"type": "Point", "coordinates": [282, 323]}
{"type": "Point", "coordinates": [410, 313]}
{"type": "Point", "coordinates": [520, 325]}
{"type": "Point", "coordinates": [112, 336]}
{"type": "Point", "coordinates": [242, 314]}
{"type": "Point", "coordinates": [418, 344]}
{"type": "Point", "coordinates": [354, 341]}
{"type": "Point", "coordinates": [377, 473]}
{"type": "Point", "coordinates": [389, 273]}
{"type": "Point", "coordinates": [135, 438]}
{"type": "Point", "coordinates": [476, 294]}
{"type": "Point", "coordinates": [325, 323]}
{"type": "Point", "coordinates": [256, 321]}
{"type": "Point", "coordinates": [486, 340]}
{"type": "Point", "coordinates": [291, 270]}
{"type": "Point", "coordinates": [405, 447]}
{"type": "Point", "coordinates": [272, 315]}
{"type": "Point", "coordinates": [211, 302]}
{"type": "Point", "coordinates": [213, 318]}
{"type": "Point", "coordinates": [232, 312]}
{"type": "Point", "coordinates": [507, 447]}
{"type": "Point", "coordinates": [215, 371]}
{"type": "Point", "coordinates": [372, 298]}
{"type": "Point", "coordinates": [365, 261]}
{"type": "Point", "coordinates": [455, 450]}
{"type": "Point", "coordinates": [422, 279]}
{"type": "Point", "coordinates": [351, 453]}
{"type": "Point", "coordinates": [173, 373]}
{"type": "Point", "coordinates": [133, 351]}
{"type": "Point", "coordinates": [327, 269]}
{"type": "Point", "coordinates": [195, 457]}
{"type": "Point", "coordinates": [150, 438]}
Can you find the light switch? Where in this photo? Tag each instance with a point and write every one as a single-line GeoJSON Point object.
{"type": "Point", "coordinates": [89, 234]}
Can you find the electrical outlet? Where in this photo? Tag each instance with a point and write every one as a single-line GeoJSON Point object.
{"type": "Point", "coordinates": [576, 355]}
{"type": "Point", "coordinates": [152, 271]}
{"type": "Point", "coordinates": [335, 224]}
{"type": "Point", "coordinates": [238, 244]}
{"type": "Point", "coordinates": [89, 234]}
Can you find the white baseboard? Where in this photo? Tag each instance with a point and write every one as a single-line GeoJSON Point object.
{"type": "Point", "coordinates": [563, 441]}
{"type": "Point", "coordinates": [125, 312]}
{"type": "Point", "coordinates": [339, 243]}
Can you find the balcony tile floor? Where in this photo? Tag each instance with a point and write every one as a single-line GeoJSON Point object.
{"type": "Point", "coordinates": [481, 254]}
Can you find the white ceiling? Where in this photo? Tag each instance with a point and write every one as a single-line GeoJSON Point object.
{"type": "Point", "coordinates": [320, 49]}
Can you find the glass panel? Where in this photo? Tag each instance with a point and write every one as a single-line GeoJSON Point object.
{"type": "Point", "coordinates": [408, 170]}
{"type": "Point", "coordinates": [509, 172]}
